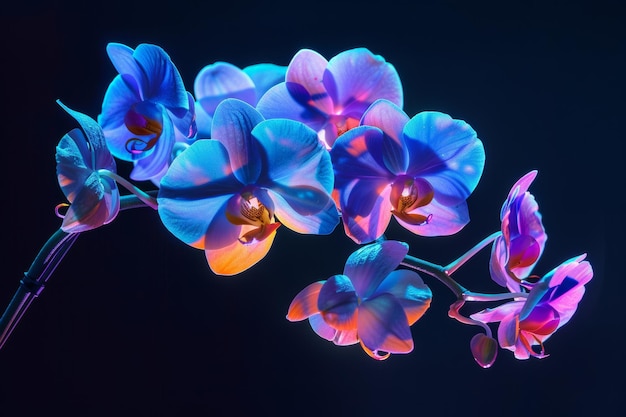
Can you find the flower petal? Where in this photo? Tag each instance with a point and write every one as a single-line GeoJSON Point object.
{"type": "Point", "coordinates": [368, 266]}
{"type": "Point", "coordinates": [337, 302]}
{"type": "Point", "coordinates": [356, 78]}
{"type": "Point", "coordinates": [383, 325]}
{"type": "Point", "coordinates": [305, 72]}
{"type": "Point", "coordinates": [304, 303]}
{"type": "Point", "coordinates": [442, 220]}
{"type": "Point", "coordinates": [222, 80]}
{"type": "Point", "coordinates": [446, 153]}
{"type": "Point", "coordinates": [198, 183]}
{"type": "Point", "coordinates": [238, 257]}
{"type": "Point", "coordinates": [233, 122]}
{"type": "Point", "coordinates": [265, 76]}
{"type": "Point", "coordinates": [409, 289]}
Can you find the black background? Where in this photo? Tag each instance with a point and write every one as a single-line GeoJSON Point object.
{"type": "Point", "coordinates": [134, 322]}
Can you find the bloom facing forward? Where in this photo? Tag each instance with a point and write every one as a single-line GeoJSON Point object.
{"type": "Point", "coordinates": [95, 199]}
{"type": "Point", "coordinates": [420, 170]}
{"type": "Point", "coordinates": [515, 253]}
{"type": "Point", "coordinates": [224, 194]}
{"type": "Point", "coordinates": [331, 96]}
{"type": "Point", "coordinates": [551, 303]}
{"type": "Point", "coordinates": [145, 109]}
{"type": "Point", "coordinates": [370, 302]}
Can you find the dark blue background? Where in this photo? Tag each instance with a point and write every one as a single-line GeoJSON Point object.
{"type": "Point", "coordinates": [134, 322]}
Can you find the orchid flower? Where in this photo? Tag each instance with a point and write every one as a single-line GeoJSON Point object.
{"type": "Point", "coordinates": [224, 194]}
{"type": "Point", "coordinates": [94, 199]}
{"type": "Point", "coordinates": [526, 324]}
{"type": "Point", "coordinates": [222, 80]}
{"type": "Point", "coordinates": [146, 110]}
{"type": "Point", "coordinates": [420, 170]}
{"type": "Point", "coordinates": [371, 303]}
{"type": "Point", "coordinates": [331, 96]}
{"type": "Point", "coordinates": [515, 253]}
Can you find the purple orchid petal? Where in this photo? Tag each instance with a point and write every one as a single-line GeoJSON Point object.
{"type": "Point", "coordinates": [358, 154]}
{"type": "Point", "coordinates": [356, 78]}
{"type": "Point", "coordinates": [304, 304]}
{"type": "Point", "coordinates": [198, 182]}
{"type": "Point", "coordinates": [442, 220]}
{"type": "Point", "coordinates": [408, 288]}
{"type": "Point", "coordinates": [233, 122]}
{"type": "Point", "coordinates": [88, 209]}
{"type": "Point", "coordinates": [222, 80]}
{"type": "Point", "coordinates": [368, 266]}
{"type": "Point", "coordinates": [493, 315]}
{"type": "Point", "coordinates": [306, 71]}
{"type": "Point", "coordinates": [337, 303]}
{"type": "Point", "coordinates": [322, 329]}
{"type": "Point", "coordinates": [446, 153]}
{"type": "Point", "coordinates": [383, 325]}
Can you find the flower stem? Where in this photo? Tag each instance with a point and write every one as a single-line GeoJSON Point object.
{"type": "Point", "coordinates": [42, 268]}
{"type": "Point", "coordinates": [453, 266]}
{"type": "Point", "coordinates": [142, 195]}
{"type": "Point", "coordinates": [436, 271]}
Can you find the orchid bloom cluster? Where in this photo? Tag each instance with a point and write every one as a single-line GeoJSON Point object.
{"type": "Point", "coordinates": [308, 146]}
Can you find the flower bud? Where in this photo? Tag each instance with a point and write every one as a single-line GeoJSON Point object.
{"type": "Point", "coordinates": [484, 349]}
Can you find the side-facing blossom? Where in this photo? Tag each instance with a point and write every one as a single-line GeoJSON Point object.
{"type": "Point", "coordinates": [331, 96]}
{"type": "Point", "coordinates": [371, 303]}
{"type": "Point", "coordinates": [224, 194]}
{"type": "Point", "coordinates": [526, 324]}
{"type": "Point", "coordinates": [146, 109]}
{"type": "Point", "coordinates": [94, 199]}
{"type": "Point", "coordinates": [221, 80]}
{"type": "Point", "coordinates": [515, 253]}
{"type": "Point", "coordinates": [420, 170]}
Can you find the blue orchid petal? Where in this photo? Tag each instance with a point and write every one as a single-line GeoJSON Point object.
{"type": "Point", "coordinates": [365, 208]}
{"type": "Point", "coordinates": [294, 156]}
{"type": "Point", "coordinates": [156, 162]}
{"type": "Point", "coordinates": [124, 62]}
{"type": "Point", "coordinates": [222, 80]}
{"type": "Point", "coordinates": [383, 325]}
{"type": "Point", "coordinates": [198, 183]}
{"type": "Point", "coordinates": [118, 99]}
{"type": "Point", "coordinates": [233, 122]}
{"type": "Point", "coordinates": [305, 210]}
{"type": "Point", "coordinates": [446, 153]}
{"type": "Point", "coordinates": [369, 266]}
{"type": "Point", "coordinates": [278, 102]}
{"type": "Point", "coordinates": [265, 76]}
{"type": "Point", "coordinates": [163, 82]}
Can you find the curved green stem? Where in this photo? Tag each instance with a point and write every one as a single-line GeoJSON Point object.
{"type": "Point", "coordinates": [42, 268]}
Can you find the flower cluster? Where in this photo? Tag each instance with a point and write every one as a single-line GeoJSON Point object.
{"type": "Point", "coordinates": [307, 146]}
